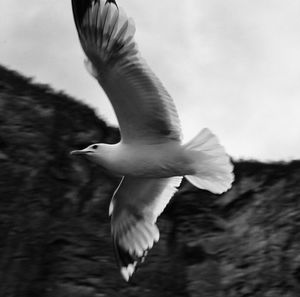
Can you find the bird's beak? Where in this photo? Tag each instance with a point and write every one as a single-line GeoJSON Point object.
{"type": "Point", "coordinates": [80, 152]}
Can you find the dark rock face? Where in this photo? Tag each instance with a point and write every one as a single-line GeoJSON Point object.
{"type": "Point", "coordinates": [248, 237]}
{"type": "Point", "coordinates": [54, 224]}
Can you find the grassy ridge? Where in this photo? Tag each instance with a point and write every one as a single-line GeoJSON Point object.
{"type": "Point", "coordinates": [54, 225]}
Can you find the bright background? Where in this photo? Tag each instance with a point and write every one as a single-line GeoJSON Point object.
{"type": "Point", "coordinates": [232, 66]}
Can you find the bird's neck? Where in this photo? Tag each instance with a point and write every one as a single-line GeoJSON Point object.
{"type": "Point", "coordinates": [106, 156]}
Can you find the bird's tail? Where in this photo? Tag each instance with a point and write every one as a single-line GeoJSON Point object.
{"type": "Point", "coordinates": [105, 32]}
{"type": "Point", "coordinates": [211, 164]}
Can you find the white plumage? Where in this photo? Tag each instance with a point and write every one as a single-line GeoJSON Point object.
{"type": "Point", "coordinates": [150, 155]}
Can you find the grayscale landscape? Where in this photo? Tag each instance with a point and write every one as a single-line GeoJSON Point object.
{"type": "Point", "coordinates": [55, 230]}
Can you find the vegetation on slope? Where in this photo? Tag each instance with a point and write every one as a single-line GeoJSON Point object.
{"type": "Point", "coordinates": [54, 225]}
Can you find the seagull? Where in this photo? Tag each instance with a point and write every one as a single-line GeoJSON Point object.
{"type": "Point", "coordinates": [150, 157]}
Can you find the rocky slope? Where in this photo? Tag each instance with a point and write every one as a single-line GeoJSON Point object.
{"type": "Point", "coordinates": [54, 225]}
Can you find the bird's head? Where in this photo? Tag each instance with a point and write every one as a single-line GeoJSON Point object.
{"type": "Point", "coordinates": [91, 150]}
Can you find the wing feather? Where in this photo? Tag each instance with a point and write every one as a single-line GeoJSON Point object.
{"type": "Point", "coordinates": [134, 210]}
{"type": "Point", "coordinates": [145, 110]}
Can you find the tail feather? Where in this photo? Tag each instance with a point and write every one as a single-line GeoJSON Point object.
{"type": "Point", "coordinates": [212, 166]}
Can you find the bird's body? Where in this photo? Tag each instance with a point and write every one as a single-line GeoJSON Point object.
{"type": "Point", "coordinates": [145, 160]}
{"type": "Point", "coordinates": [150, 156]}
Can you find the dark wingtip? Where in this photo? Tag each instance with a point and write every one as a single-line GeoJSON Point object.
{"type": "Point", "coordinates": [112, 1]}
{"type": "Point", "coordinates": [79, 9]}
{"type": "Point", "coordinates": [126, 262]}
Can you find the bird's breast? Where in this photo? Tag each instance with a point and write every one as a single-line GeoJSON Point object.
{"type": "Point", "coordinates": [159, 160]}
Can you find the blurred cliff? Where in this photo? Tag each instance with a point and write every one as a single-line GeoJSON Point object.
{"type": "Point", "coordinates": [54, 225]}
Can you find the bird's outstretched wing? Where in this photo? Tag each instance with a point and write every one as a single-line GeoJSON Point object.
{"type": "Point", "coordinates": [134, 209]}
{"type": "Point", "coordinates": [145, 111]}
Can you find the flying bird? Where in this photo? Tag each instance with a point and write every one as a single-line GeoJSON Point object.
{"type": "Point", "coordinates": [150, 156]}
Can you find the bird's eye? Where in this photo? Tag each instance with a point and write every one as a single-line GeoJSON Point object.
{"type": "Point", "coordinates": [95, 146]}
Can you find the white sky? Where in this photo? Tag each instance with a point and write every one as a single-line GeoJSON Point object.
{"type": "Point", "coordinates": [232, 66]}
